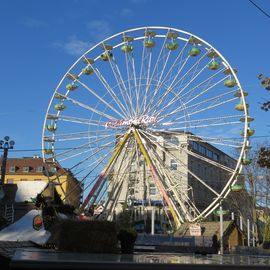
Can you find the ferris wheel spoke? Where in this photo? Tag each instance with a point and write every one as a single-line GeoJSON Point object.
{"type": "Point", "coordinates": [118, 184]}
{"type": "Point", "coordinates": [212, 99]}
{"type": "Point", "coordinates": [109, 144]}
{"type": "Point", "coordinates": [82, 181]}
{"type": "Point", "coordinates": [192, 70]}
{"type": "Point", "coordinates": [208, 87]}
{"type": "Point", "coordinates": [100, 98]}
{"type": "Point", "coordinates": [171, 185]}
{"type": "Point", "coordinates": [85, 145]}
{"type": "Point", "coordinates": [146, 77]}
{"type": "Point", "coordinates": [145, 56]}
{"type": "Point", "coordinates": [190, 99]}
{"type": "Point", "coordinates": [79, 120]}
{"type": "Point", "coordinates": [150, 79]}
{"type": "Point", "coordinates": [110, 91]}
{"type": "Point", "coordinates": [176, 62]}
{"type": "Point", "coordinates": [153, 95]}
{"type": "Point", "coordinates": [204, 120]}
{"type": "Point", "coordinates": [84, 106]}
{"type": "Point", "coordinates": [205, 91]}
{"type": "Point", "coordinates": [177, 147]}
{"type": "Point", "coordinates": [169, 89]}
{"type": "Point", "coordinates": [204, 126]}
{"type": "Point", "coordinates": [178, 94]}
{"type": "Point", "coordinates": [100, 187]}
{"type": "Point", "coordinates": [233, 142]}
{"type": "Point", "coordinates": [122, 87]}
{"type": "Point", "coordinates": [174, 84]}
{"type": "Point", "coordinates": [180, 163]}
{"type": "Point", "coordinates": [81, 135]}
{"type": "Point", "coordinates": [127, 60]}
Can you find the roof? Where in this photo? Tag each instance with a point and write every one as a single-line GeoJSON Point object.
{"type": "Point", "coordinates": [8, 248]}
{"type": "Point", "coordinates": [34, 164]}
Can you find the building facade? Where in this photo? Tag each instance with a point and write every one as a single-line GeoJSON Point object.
{"type": "Point", "coordinates": [188, 168]}
{"type": "Point", "coordinates": [31, 171]}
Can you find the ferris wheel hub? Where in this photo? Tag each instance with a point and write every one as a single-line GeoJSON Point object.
{"type": "Point", "coordinates": [144, 120]}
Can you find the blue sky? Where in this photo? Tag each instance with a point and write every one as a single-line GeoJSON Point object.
{"type": "Point", "coordinates": [40, 40]}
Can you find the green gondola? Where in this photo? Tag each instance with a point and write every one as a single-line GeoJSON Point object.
{"type": "Point", "coordinates": [194, 51]}
{"type": "Point", "coordinates": [239, 94]}
{"type": "Point", "coordinates": [212, 54]}
{"type": "Point", "coordinates": [149, 33]}
{"type": "Point", "coordinates": [127, 48]}
{"type": "Point", "coordinates": [230, 83]}
{"type": "Point", "coordinates": [48, 139]}
{"type": "Point", "coordinates": [72, 76]}
{"type": "Point", "coordinates": [172, 46]}
{"type": "Point", "coordinates": [228, 71]}
{"type": "Point", "coordinates": [87, 70]}
{"type": "Point", "coordinates": [240, 106]}
{"type": "Point", "coordinates": [51, 128]}
{"type": "Point", "coordinates": [214, 65]}
{"type": "Point", "coordinates": [59, 107]}
{"type": "Point", "coordinates": [250, 132]}
{"type": "Point", "coordinates": [88, 61]}
{"type": "Point", "coordinates": [72, 86]}
{"type": "Point", "coordinates": [48, 151]}
{"type": "Point", "coordinates": [194, 41]}
{"type": "Point", "coordinates": [149, 43]}
{"type": "Point", "coordinates": [106, 56]}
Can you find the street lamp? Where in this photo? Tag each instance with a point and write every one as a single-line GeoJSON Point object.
{"type": "Point", "coordinates": [5, 144]}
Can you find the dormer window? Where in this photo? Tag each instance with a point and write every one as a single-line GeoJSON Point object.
{"type": "Point", "coordinates": [12, 169]}
{"type": "Point", "coordinates": [40, 169]}
{"type": "Point", "coordinates": [25, 169]}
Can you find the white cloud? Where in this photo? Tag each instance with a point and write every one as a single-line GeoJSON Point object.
{"type": "Point", "coordinates": [126, 12]}
{"type": "Point", "coordinates": [74, 46]}
{"type": "Point", "coordinates": [99, 29]}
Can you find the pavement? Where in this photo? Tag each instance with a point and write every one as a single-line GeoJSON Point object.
{"type": "Point", "coordinates": [32, 258]}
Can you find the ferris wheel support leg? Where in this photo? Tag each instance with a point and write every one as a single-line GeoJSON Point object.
{"type": "Point", "coordinates": [156, 177]}
{"type": "Point", "coordinates": [100, 178]}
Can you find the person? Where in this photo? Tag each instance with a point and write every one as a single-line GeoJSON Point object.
{"type": "Point", "coordinates": [215, 243]}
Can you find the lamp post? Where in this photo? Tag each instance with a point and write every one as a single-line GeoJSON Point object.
{"type": "Point", "coordinates": [221, 227]}
{"type": "Point", "coordinates": [5, 144]}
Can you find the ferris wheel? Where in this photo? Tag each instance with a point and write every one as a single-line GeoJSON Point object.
{"type": "Point", "coordinates": [151, 115]}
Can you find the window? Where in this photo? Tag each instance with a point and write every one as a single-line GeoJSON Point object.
{"type": "Point", "coordinates": [195, 146]}
{"type": "Point", "coordinates": [40, 169]}
{"type": "Point", "coordinates": [12, 169]}
{"type": "Point", "coordinates": [174, 140]}
{"type": "Point", "coordinates": [173, 164]}
{"type": "Point", "coordinates": [170, 141]}
{"type": "Point", "coordinates": [215, 157]}
{"type": "Point", "coordinates": [209, 153]}
{"type": "Point", "coordinates": [202, 149]}
{"type": "Point", "coordinates": [152, 190]}
{"type": "Point", "coordinates": [25, 169]}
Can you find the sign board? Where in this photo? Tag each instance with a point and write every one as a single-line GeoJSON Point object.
{"type": "Point", "coordinates": [195, 230]}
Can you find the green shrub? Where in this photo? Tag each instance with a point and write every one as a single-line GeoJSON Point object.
{"type": "Point", "coordinates": [88, 236]}
{"type": "Point", "coordinates": [266, 233]}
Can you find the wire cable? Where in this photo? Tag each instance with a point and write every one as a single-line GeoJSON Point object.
{"type": "Point", "coordinates": [260, 9]}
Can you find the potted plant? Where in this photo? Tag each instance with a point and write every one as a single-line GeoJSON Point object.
{"type": "Point", "coordinates": [126, 232]}
{"type": "Point", "coordinates": [127, 238]}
